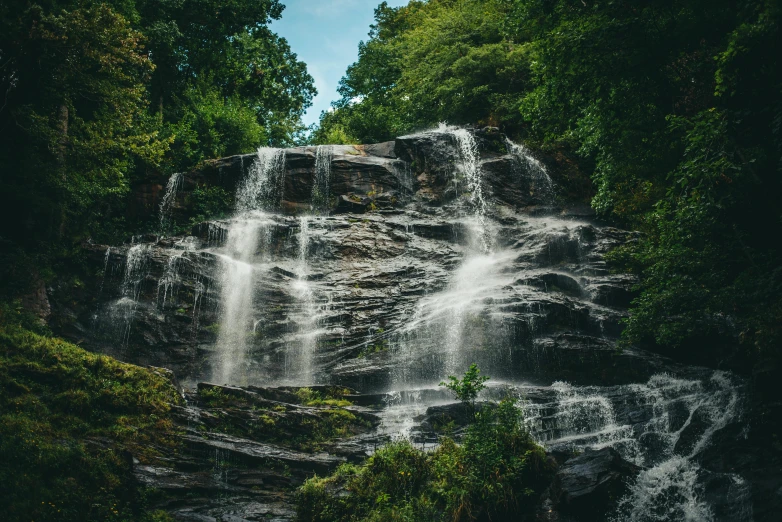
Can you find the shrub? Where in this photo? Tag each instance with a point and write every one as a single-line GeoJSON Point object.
{"type": "Point", "coordinates": [68, 419]}
{"type": "Point", "coordinates": [496, 474]}
{"type": "Point", "coordinates": [468, 387]}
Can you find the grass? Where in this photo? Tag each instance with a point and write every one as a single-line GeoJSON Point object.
{"type": "Point", "coordinates": [336, 397]}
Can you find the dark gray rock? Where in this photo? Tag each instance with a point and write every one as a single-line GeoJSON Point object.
{"type": "Point", "coordinates": [589, 485]}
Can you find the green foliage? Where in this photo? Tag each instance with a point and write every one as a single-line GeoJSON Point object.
{"type": "Point", "coordinates": [74, 123]}
{"type": "Point", "coordinates": [672, 106]}
{"type": "Point", "coordinates": [67, 419]}
{"type": "Point", "coordinates": [468, 387]}
{"type": "Point", "coordinates": [496, 474]}
{"type": "Point", "coordinates": [209, 202]}
{"type": "Point", "coordinates": [335, 397]}
{"type": "Point", "coordinates": [212, 126]}
{"type": "Point", "coordinates": [97, 96]}
{"type": "Point", "coordinates": [429, 62]}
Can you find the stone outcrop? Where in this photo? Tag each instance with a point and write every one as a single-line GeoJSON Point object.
{"type": "Point", "coordinates": [590, 484]}
{"type": "Point", "coordinates": [242, 452]}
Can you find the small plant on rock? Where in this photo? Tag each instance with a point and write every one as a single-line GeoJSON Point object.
{"type": "Point", "coordinates": [468, 387]}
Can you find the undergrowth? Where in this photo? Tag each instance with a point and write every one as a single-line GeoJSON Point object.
{"type": "Point", "coordinates": [497, 474]}
{"type": "Point", "coordinates": [69, 421]}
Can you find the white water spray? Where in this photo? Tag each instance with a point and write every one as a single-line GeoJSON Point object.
{"type": "Point", "coordinates": [136, 269]}
{"type": "Point", "coordinates": [298, 363]}
{"type": "Point", "coordinates": [667, 441]}
{"type": "Point", "coordinates": [169, 198]}
{"type": "Point", "coordinates": [470, 162]}
{"type": "Point", "coordinates": [261, 190]}
{"type": "Point", "coordinates": [541, 181]}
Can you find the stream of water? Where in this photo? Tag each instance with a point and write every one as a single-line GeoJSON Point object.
{"type": "Point", "coordinates": [247, 232]}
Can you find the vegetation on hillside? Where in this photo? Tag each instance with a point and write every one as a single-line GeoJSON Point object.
{"type": "Point", "coordinates": [69, 420]}
{"type": "Point", "coordinates": [674, 107]}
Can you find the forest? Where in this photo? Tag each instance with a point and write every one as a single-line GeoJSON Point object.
{"type": "Point", "coordinates": [663, 116]}
{"type": "Point", "coordinates": [98, 93]}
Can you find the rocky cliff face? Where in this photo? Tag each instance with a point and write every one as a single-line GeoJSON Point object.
{"type": "Point", "coordinates": [386, 268]}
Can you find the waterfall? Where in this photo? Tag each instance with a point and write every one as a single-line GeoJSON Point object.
{"type": "Point", "coordinates": [470, 162]}
{"type": "Point", "coordinates": [541, 181]}
{"type": "Point", "coordinates": [677, 420]}
{"type": "Point", "coordinates": [261, 190]}
{"type": "Point", "coordinates": [135, 272]}
{"type": "Point", "coordinates": [169, 198]}
{"type": "Point", "coordinates": [262, 187]}
{"type": "Point", "coordinates": [106, 259]}
{"type": "Point", "coordinates": [171, 279]}
{"type": "Point", "coordinates": [299, 364]}
{"type": "Point", "coordinates": [465, 278]}
{"type": "Point", "coordinates": [673, 487]}
{"type": "Point", "coordinates": [324, 155]}
{"type": "Point", "coordinates": [299, 354]}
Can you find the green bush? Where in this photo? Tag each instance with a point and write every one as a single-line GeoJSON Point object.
{"type": "Point", "coordinates": [209, 203]}
{"type": "Point", "coordinates": [497, 473]}
{"type": "Point", "coordinates": [468, 387]}
{"type": "Point", "coordinates": [69, 420]}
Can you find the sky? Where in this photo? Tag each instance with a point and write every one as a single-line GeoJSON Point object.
{"type": "Point", "coordinates": [325, 35]}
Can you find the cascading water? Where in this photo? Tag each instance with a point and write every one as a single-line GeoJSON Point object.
{"type": "Point", "coordinates": [136, 268]}
{"type": "Point", "coordinates": [448, 313]}
{"type": "Point", "coordinates": [673, 421]}
{"type": "Point", "coordinates": [470, 163]}
{"type": "Point", "coordinates": [299, 357]}
{"type": "Point", "coordinates": [533, 169]}
{"type": "Point", "coordinates": [324, 154]}
{"type": "Point", "coordinates": [169, 198]}
{"type": "Point", "coordinates": [171, 279]}
{"type": "Point", "coordinates": [261, 190]}
{"type": "Point", "coordinates": [298, 364]}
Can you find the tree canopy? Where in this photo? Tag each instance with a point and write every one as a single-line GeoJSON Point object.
{"type": "Point", "coordinates": [96, 94]}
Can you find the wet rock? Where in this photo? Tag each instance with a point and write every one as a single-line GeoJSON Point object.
{"type": "Point", "coordinates": [447, 419]}
{"type": "Point", "coordinates": [382, 150]}
{"type": "Point", "coordinates": [590, 484]}
{"type": "Point", "coordinates": [252, 452]}
{"type": "Point", "coordinates": [210, 472]}
{"type": "Point", "coordinates": [352, 204]}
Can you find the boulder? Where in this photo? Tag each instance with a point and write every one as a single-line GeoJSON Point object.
{"type": "Point", "coordinates": [589, 485]}
{"type": "Point", "coordinates": [352, 204]}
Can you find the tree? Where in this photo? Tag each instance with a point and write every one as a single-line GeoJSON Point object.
{"type": "Point", "coordinates": [74, 123]}
{"type": "Point", "coordinates": [429, 62]}
{"type": "Point", "coordinates": [468, 387]}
